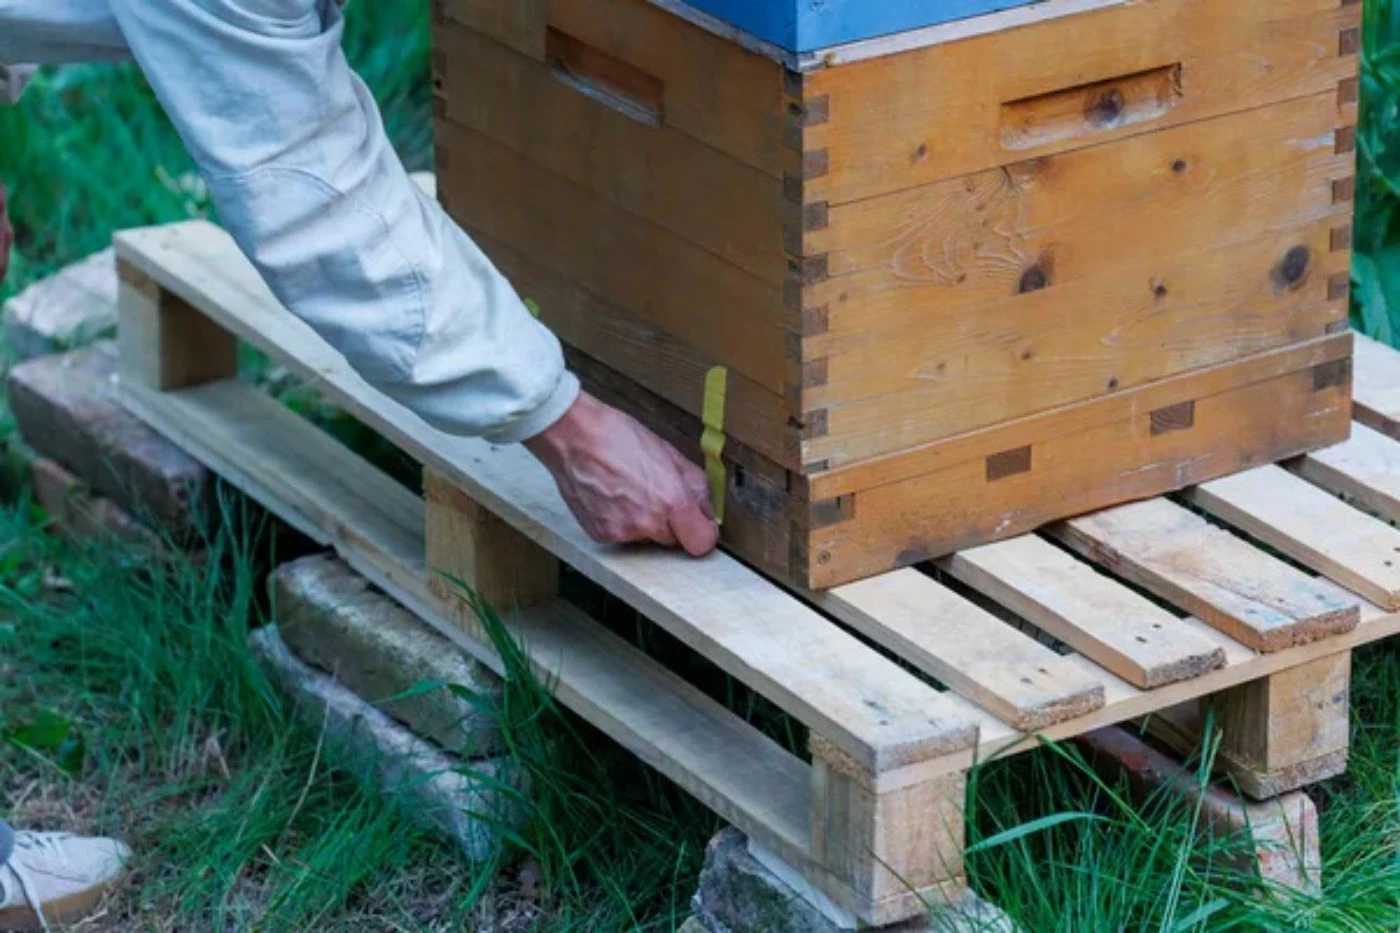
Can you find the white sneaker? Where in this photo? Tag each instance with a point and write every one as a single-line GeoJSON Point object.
{"type": "Point", "coordinates": [56, 878]}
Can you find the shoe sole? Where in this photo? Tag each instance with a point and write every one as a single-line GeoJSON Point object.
{"type": "Point", "coordinates": [65, 910]}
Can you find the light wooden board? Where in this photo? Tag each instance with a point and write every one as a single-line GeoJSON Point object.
{"type": "Point", "coordinates": [1069, 472]}
{"type": "Point", "coordinates": [1364, 470]}
{"type": "Point", "coordinates": [715, 90]}
{"type": "Point", "coordinates": [1377, 386]}
{"type": "Point", "coordinates": [887, 133]}
{"type": "Point", "coordinates": [898, 376]}
{"type": "Point", "coordinates": [1007, 673]}
{"type": "Point", "coordinates": [878, 714]}
{"type": "Point", "coordinates": [1261, 602]}
{"type": "Point", "coordinates": [674, 180]}
{"type": "Point", "coordinates": [708, 303]}
{"type": "Point", "coordinates": [1311, 526]}
{"type": "Point", "coordinates": [329, 493]}
{"type": "Point", "coordinates": [1096, 616]}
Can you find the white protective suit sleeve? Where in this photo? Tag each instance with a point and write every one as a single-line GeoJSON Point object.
{"type": "Point", "coordinates": [292, 147]}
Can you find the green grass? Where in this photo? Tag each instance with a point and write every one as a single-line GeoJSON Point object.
{"type": "Point", "coordinates": [130, 704]}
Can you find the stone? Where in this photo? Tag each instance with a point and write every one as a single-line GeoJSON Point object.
{"type": "Point", "coordinates": [463, 801]}
{"type": "Point", "coordinates": [79, 515]}
{"type": "Point", "coordinates": [67, 409]}
{"type": "Point", "coordinates": [333, 619]}
{"type": "Point", "coordinates": [71, 308]}
{"type": "Point", "coordinates": [739, 893]}
{"type": "Point", "coordinates": [1284, 832]}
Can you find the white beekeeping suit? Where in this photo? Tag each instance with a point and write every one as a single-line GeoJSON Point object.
{"type": "Point", "coordinates": [293, 150]}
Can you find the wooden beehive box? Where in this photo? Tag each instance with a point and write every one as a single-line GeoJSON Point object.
{"type": "Point", "coordinates": [963, 280]}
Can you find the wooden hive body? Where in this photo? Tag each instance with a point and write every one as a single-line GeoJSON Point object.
{"type": "Point", "coordinates": [986, 280]}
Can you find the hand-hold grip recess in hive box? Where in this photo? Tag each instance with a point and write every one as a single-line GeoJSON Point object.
{"type": "Point", "coordinates": [1086, 109]}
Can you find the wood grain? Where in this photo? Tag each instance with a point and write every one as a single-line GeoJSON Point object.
{"type": "Point", "coordinates": [881, 716]}
{"type": "Point", "coordinates": [1259, 601]}
{"type": "Point", "coordinates": [1312, 527]}
{"type": "Point", "coordinates": [1097, 617]}
{"type": "Point", "coordinates": [887, 133]}
{"type": "Point", "coordinates": [1007, 673]}
{"type": "Point", "coordinates": [1378, 386]}
{"type": "Point", "coordinates": [1364, 470]}
{"type": "Point", "coordinates": [664, 280]}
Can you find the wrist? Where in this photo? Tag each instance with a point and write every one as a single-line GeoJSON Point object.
{"type": "Point", "coordinates": [570, 431]}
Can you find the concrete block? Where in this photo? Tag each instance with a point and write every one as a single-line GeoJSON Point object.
{"type": "Point", "coordinates": [71, 308]}
{"type": "Point", "coordinates": [740, 893]}
{"type": "Point", "coordinates": [1284, 831]}
{"type": "Point", "coordinates": [68, 410]}
{"type": "Point", "coordinates": [429, 785]}
{"type": "Point", "coordinates": [333, 619]}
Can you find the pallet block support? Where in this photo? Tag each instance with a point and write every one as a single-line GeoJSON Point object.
{"type": "Point", "coordinates": [893, 847]}
{"type": "Point", "coordinates": [1278, 733]}
{"type": "Point", "coordinates": [165, 343]}
{"type": "Point", "coordinates": [468, 544]}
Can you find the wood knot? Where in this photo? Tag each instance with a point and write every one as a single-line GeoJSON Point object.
{"type": "Point", "coordinates": [1105, 107]}
{"type": "Point", "coordinates": [1292, 270]}
{"type": "Point", "coordinates": [1179, 166]}
{"type": "Point", "coordinates": [1034, 279]}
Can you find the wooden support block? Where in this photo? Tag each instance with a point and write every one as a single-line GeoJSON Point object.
{"type": "Point", "coordinates": [165, 343]}
{"type": "Point", "coordinates": [892, 848]}
{"type": "Point", "coordinates": [467, 543]}
{"type": "Point", "coordinates": [1278, 733]}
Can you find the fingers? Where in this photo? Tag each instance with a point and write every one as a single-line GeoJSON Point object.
{"type": "Point", "coordinates": [694, 530]}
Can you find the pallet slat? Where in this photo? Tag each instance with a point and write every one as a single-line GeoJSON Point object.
{"type": "Point", "coordinates": [1364, 470]}
{"type": "Point", "coordinates": [1261, 602]}
{"type": "Point", "coordinates": [326, 491]}
{"type": "Point", "coordinates": [1102, 620]}
{"type": "Point", "coordinates": [880, 715]}
{"type": "Point", "coordinates": [1377, 386]}
{"type": "Point", "coordinates": [1312, 527]}
{"type": "Point", "coordinates": [1009, 674]}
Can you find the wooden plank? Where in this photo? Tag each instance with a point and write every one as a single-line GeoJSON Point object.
{"type": "Point", "coordinates": [315, 484]}
{"type": "Point", "coordinates": [1377, 386]}
{"type": "Point", "coordinates": [1070, 420]}
{"type": "Point", "coordinates": [165, 343]}
{"type": "Point", "coordinates": [704, 301]}
{"type": "Point", "coordinates": [1007, 673]}
{"type": "Point", "coordinates": [1162, 316]}
{"type": "Point", "coordinates": [691, 189]}
{"type": "Point", "coordinates": [887, 134]}
{"type": "Point", "coordinates": [715, 90]}
{"type": "Point", "coordinates": [643, 352]}
{"type": "Point", "coordinates": [1312, 527]}
{"type": "Point", "coordinates": [1054, 468]}
{"type": "Point", "coordinates": [1364, 470]}
{"type": "Point", "coordinates": [1259, 601]}
{"type": "Point", "coordinates": [1097, 617]}
{"type": "Point", "coordinates": [874, 711]}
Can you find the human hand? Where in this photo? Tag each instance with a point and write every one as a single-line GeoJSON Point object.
{"type": "Point", "coordinates": [7, 234]}
{"type": "Point", "coordinates": [624, 483]}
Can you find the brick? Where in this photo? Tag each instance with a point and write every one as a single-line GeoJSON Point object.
{"type": "Point", "coordinates": [73, 307]}
{"type": "Point", "coordinates": [333, 619]}
{"type": "Point", "coordinates": [1283, 830]}
{"type": "Point", "coordinates": [67, 409]}
{"type": "Point", "coordinates": [80, 516]}
{"type": "Point", "coordinates": [742, 891]}
{"type": "Point", "coordinates": [426, 783]}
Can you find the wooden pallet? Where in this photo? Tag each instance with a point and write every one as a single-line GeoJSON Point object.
{"type": "Point", "coordinates": [874, 820]}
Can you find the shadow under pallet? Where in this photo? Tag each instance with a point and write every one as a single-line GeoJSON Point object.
{"type": "Point", "coordinates": [1161, 608]}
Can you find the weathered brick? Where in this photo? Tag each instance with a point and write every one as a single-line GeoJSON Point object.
{"type": "Point", "coordinates": [79, 515]}
{"type": "Point", "coordinates": [68, 309]}
{"type": "Point", "coordinates": [1283, 831]}
{"type": "Point", "coordinates": [430, 786]}
{"type": "Point", "coordinates": [68, 410]}
{"type": "Point", "coordinates": [332, 618]}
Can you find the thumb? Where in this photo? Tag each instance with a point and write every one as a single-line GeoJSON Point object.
{"type": "Point", "coordinates": [696, 532]}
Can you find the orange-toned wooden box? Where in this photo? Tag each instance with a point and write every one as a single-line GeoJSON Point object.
{"type": "Point", "coordinates": [964, 280]}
